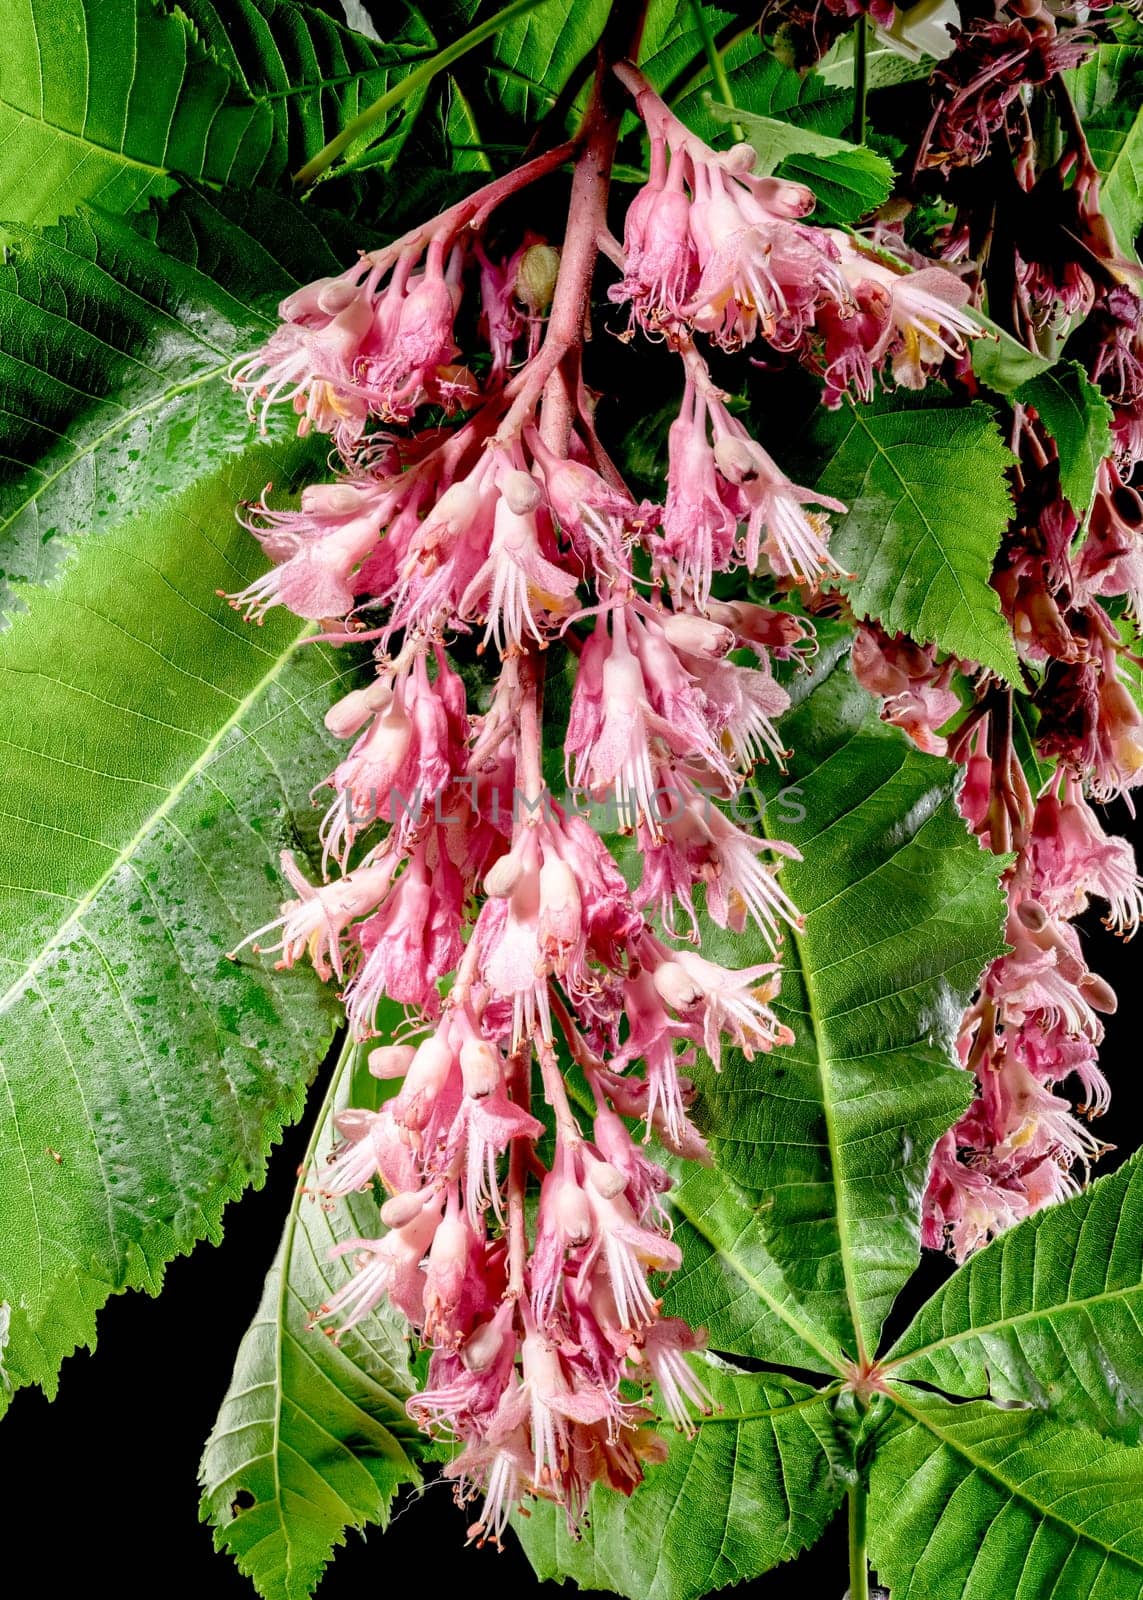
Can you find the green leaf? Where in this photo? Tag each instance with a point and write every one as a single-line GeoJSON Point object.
{"type": "Point", "coordinates": [885, 63]}
{"type": "Point", "coordinates": [312, 1437]}
{"type": "Point", "coordinates": [750, 1489]}
{"type": "Point", "coordinates": [113, 342]}
{"type": "Point", "coordinates": [848, 179]}
{"type": "Point", "coordinates": [1049, 1313]}
{"type": "Point", "coordinates": [1002, 362]}
{"type": "Point", "coordinates": [1078, 418]}
{"type": "Point", "coordinates": [107, 103]}
{"type": "Point", "coordinates": [976, 1502]}
{"type": "Point", "coordinates": [831, 1136]}
{"type": "Point", "coordinates": [730, 1282]}
{"type": "Point", "coordinates": [928, 502]}
{"type": "Point", "coordinates": [763, 87]}
{"type": "Point", "coordinates": [1108, 92]}
{"type": "Point", "coordinates": [155, 751]}
{"type": "Point", "coordinates": [535, 55]}
{"type": "Point", "coordinates": [313, 75]}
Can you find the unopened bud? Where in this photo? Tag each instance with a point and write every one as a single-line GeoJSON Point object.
{"type": "Point", "coordinates": [606, 1180]}
{"type": "Point", "coordinates": [536, 277]}
{"type": "Point", "coordinates": [480, 1067]}
{"type": "Point", "coordinates": [1099, 994]}
{"type": "Point", "coordinates": [521, 491]}
{"type": "Point", "coordinates": [391, 1060]}
{"type": "Point", "coordinates": [1032, 914]}
{"type": "Point", "coordinates": [353, 710]}
{"type": "Point", "coordinates": [674, 986]}
{"type": "Point", "coordinates": [735, 458]}
{"type": "Point", "coordinates": [740, 158]}
{"type": "Point", "coordinates": [482, 1347]}
{"type": "Point", "coordinates": [573, 1214]}
{"type": "Point", "coordinates": [334, 298]}
{"type": "Point", "coordinates": [400, 1209]}
{"type": "Point", "coordinates": [698, 635]}
{"type": "Point", "coordinates": [503, 876]}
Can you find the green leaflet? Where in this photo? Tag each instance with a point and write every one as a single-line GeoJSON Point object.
{"type": "Point", "coordinates": [1108, 92]}
{"type": "Point", "coordinates": [902, 912]}
{"type": "Point", "coordinates": [312, 1437]}
{"type": "Point", "coordinates": [114, 339]}
{"type": "Point", "coordinates": [731, 1282]}
{"type": "Point", "coordinates": [928, 502]}
{"type": "Point", "coordinates": [1002, 362]}
{"type": "Point", "coordinates": [1049, 1313]}
{"type": "Point", "coordinates": [1078, 418]}
{"type": "Point", "coordinates": [108, 103]}
{"type": "Point", "coordinates": [976, 1502]}
{"type": "Point", "coordinates": [847, 179]}
{"type": "Point", "coordinates": [752, 1488]}
{"type": "Point", "coordinates": [763, 87]}
{"type": "Point", "coordinates": [156, 752]}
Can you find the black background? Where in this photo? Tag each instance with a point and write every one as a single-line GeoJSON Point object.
{"type": "Point", "coordinates": [100, 1486]}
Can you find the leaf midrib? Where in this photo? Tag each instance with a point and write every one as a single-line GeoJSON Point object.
{"type": "Point", "coordinates": [83, 140]}
{"type": "Point", "coordinates": [804, 1331]}
{"type": "Point", "coordinates": [16, 989]}
{"type": "Point", "coordinates": [122, 422]}
{"type": "Point", "coordinates": [1041, 1314]}
{"type": "Point", "coordinates": [1017, 1491]}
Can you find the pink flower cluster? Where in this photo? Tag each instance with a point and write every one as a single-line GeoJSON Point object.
{"type": "Point", "coordinates": [709, 246]}
{"type": "Point", "coordinates": [454, 883]}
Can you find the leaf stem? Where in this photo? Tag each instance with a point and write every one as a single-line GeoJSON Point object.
{"type": "Point", "coordinates": [860, 76]}
{"type": "Point", "coordinates": [717, 65]}
{"type": "Point", "coordinates": [858, 1561]}
{"type": "Point", "coordinates": [408, 85]}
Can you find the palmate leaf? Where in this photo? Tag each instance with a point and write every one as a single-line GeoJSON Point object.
{"type": "Point", "coordinates": [753, 1487]}
{"type": "Point", "coordinates": [977, 1502]}
{"type": "Point", "coordinates": [313, 1437]}
{"type": "Point", "coordinates": [1050, 1314]}
{"type": "Point", "coordinates": [114, 339]}
{"type": "Point", "coordinates": [108, 103]}
{"type": "Point", "coordinates": [158, 755]}
{"type": "Point", "coordinates": [832, 1135]}
{"type": "Point", "coordinates": [1108, 93]}
{"type": "Point", "coordinates": [924, 483]}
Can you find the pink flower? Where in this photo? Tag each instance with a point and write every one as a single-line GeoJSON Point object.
{"type": "Point", "coordinates": [318, 550]}
{"type": "Point", "coordinates": [315, 922]}
{"type": "Point", "coordinates": [664, 1352]}
{"type": "Point", "coordinates": [371, 1148]}
{"type": "Point", "coordinates": [914, 687]}
{"type": "Point", "coordinates": [517, 588]}
{"type": "Point", "coordinates": [485, 1124]}
{"type": "Point", "coordinates": [409, 943]}
{"type": "Point", "coordinates": [385, 1269]}
{"type": "Point", "coordinates": [731, 1002]}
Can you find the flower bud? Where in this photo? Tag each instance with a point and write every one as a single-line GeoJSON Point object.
{"type": "Point", "coordinates": [572, 1214]}
{"type": "Point", "coordinates": [349, 714]}
{"type": "Point", "coordinates": [606, 1180]}
{"type": "Point", "coordinates": [400, 1209]}
{"type": "Point", "coordinates": [735, 458]}
{"type": "Point", "coordinates": [503, 876]}
{"type": "Point", "coordinates": [482, 1347]}
{"type": "Point", "coordinates": [1099, 994]}
{"type": "Point", "coordinates": [698, 635]}
{"type": "Point", "coordinates": [391, 1060]}
{"type": "Point", "coordinates": [480, 1067]}
{"type": "Point", "coordinates": [536, 277]}
{"type": "Point", "coordinates": [521, 491]}
{"type": "Point", "coordinates": [674, 986]}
